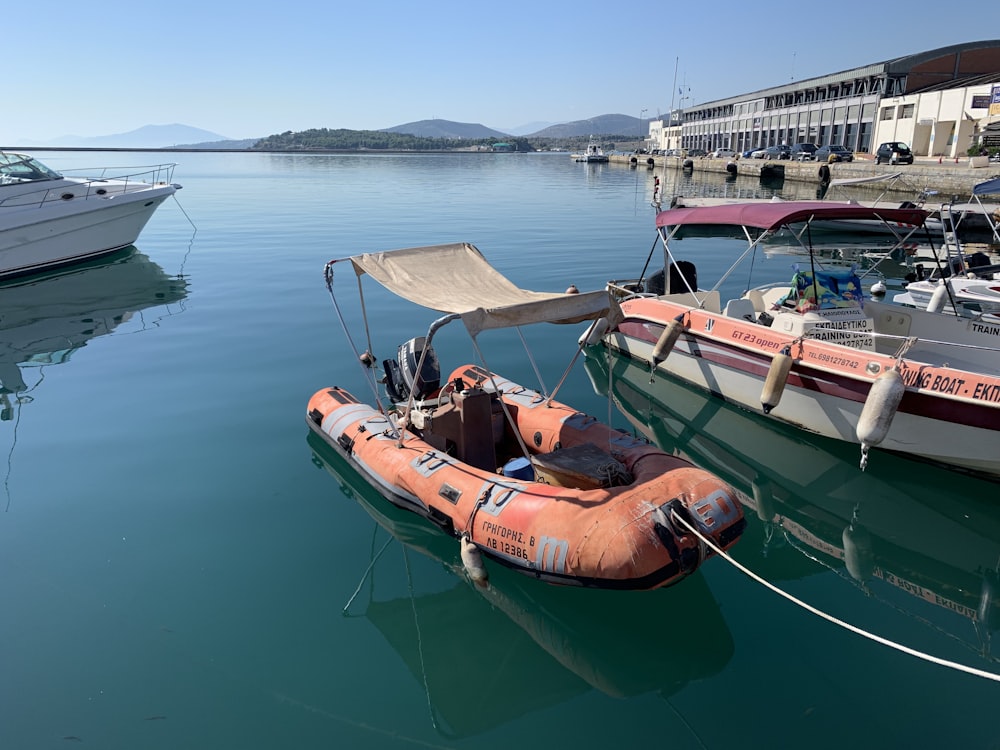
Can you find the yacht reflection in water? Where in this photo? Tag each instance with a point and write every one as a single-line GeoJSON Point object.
{"type": "Point", "coordinates": [44, 318]}
{"type": "Point", "coordinates": [924, 542]}
{"type": "Point", "coordinates": [534, 644]}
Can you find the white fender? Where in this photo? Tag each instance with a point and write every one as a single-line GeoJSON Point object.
{"type": "Point", "coordinates": [472, 559]}
{"type": "Point", "coordinates": [777, 376]}
{"type": "Point", "coordinates": [880, 407]}
{"type": "Point", "coordinates": [939, 298]}
{"type": "Point", "coordinates": [665, 343]}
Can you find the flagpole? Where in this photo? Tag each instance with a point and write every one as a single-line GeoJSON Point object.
{"type": "Point", "coordinates": [677, 61]}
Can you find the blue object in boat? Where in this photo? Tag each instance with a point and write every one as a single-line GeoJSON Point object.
{"type": "Point", "coordinates": [519, 468]}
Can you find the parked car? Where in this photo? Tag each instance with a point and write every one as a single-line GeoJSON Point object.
{"type": "Point", "coordinates": [836, 151]}
{"type": "Point", "coordinates": [748, 153]}
{"type": "Point", "coordinates": [893, 152]}
{"type": "Point", "coordinates": [724, 153]}
{"type": "Point", "coordinates": [777, 152]}
{"type": "Point", "coordinates": [758, 153]}
{"type": "Point", "coordinates": [697, 152]}
{"type": "Point", "coordinates": [804, 151]}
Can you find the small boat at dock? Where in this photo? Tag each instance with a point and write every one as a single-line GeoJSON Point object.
{"type": "Point", "coordinates": [817, 352]}
{"type": "Point", "coordinates": [593, 155]}
{"type": "Point", "coordinates": [516, 476]}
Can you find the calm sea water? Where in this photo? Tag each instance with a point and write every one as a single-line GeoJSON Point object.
{"type": "Point", "coordinates": [180, 566]}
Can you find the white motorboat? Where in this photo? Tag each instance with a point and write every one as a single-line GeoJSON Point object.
{"type": "Point", "coordinates": [50, 219]}
{"type": "Point", "coordinates": [974, 294]}
{"type": "Point", "coordinates": [965, 284]}
{"type": "Point", "coordinates": [593, 155]}
{"type": "Point", "coordinates": [817, 353]}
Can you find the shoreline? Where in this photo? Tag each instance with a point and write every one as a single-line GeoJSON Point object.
{"type": "Point", "coordinates": [946, 177]}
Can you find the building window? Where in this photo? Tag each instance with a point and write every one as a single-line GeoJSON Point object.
{"type": "Point", "coordinates": [906, 111]}
{"type": "Point", "coordinates": [865, 139]}
{"type": "Point", "coordinates": [887, 113]}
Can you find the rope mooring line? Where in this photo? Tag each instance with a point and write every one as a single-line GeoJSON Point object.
{"type": "Point", "coordinates": [830, 618]}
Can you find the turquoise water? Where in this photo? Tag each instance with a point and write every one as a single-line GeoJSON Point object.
{"type": "Point", "coordinates": [180, 566]}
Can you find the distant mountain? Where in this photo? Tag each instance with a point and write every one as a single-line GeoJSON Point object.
{"type": "Point", "coordinates": [527, 129]}
{"type": "Point", "coordinates": [601, 125]}
{"type": "Point", "coordinates": [240, 145]}
{"type": "Point", "coordinates": [185, 136]}
{"type": "Point", "coordinates": [148, 136]}
{"type": "Point", "coordinates": [446, 129]}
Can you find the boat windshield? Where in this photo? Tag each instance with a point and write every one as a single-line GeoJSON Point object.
{"type": "Point", "coordinates": [22, 168]}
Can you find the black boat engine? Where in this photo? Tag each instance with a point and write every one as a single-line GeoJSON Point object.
{"type": "Point", "coordinates": [400, 373]}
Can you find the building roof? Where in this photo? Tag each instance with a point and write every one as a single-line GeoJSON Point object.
{"type": "Point", "coordinates": [941, 67]}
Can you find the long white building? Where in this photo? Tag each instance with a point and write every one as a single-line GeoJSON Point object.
{"type": "Point", "coordinates": [937, 101]}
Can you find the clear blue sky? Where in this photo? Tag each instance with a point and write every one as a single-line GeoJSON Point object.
{"type": "Point", "coordinates": [257, 68]}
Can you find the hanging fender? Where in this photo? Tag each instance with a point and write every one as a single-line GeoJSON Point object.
{"type": "Point", "coordinates": [879, 409]}
{"type": "Point", "coordinates": [665, 344]}
{"type": "Point", "coordinates": [777, 376]}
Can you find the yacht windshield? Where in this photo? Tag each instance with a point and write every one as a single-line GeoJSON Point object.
{"type": "Point", "coordinates": [21, 168]}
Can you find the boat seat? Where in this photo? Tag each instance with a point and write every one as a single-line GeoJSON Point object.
{"type": "Point", "coordinates": [764, 300]}
{"type": "Point", "coordinates": [741, 308]}
{"type": "Point", "coordinates": [709, 301]}
{"type": "Point", "coordinates": [756, 298]}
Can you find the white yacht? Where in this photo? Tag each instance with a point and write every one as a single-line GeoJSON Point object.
{"type": "Point", "coordinates": [49, 219]}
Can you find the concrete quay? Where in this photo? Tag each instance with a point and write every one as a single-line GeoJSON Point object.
{"type": "Point", "coordinates": [947, 177]}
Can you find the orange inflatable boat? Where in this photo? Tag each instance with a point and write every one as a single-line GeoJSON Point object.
{"type": "Point", "coordinates": [518, 477]}
{"type": "Point", "coordinates": [592, 506]}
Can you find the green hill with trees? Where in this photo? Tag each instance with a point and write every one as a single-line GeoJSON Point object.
{"type": "Point", "coordinates": [324, 139]}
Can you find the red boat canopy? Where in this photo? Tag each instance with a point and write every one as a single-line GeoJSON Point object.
{"type": "Point", "coordinates": [775, 215]}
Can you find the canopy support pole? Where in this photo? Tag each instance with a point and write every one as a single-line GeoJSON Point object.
{"type": "Point", "coordinates": [369, 378]}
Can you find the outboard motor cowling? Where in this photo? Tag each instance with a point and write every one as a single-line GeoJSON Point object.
{"type": "Point", "coordinates": [401, 373]}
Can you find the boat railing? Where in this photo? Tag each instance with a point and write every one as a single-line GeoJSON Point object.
{"type": "Point", "coordinates": [107, 181]}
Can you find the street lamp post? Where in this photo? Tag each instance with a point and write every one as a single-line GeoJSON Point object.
{"type": "Point", "coordinates": [641, 113]}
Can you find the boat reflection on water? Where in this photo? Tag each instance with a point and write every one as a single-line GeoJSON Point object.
{"type": "Point", "coordinates": [923, 541]}
{"type": "Point", "coordinates": [44, 318]}
{"type": "Point", "coordinates": [539, 644]}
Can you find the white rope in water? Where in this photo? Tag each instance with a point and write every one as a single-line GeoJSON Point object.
{"type": "Point", "coordinates": [830, 618]}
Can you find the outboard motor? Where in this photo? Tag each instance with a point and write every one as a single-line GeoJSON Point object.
{"type": "Point", "coordinates": [683, 274]}
{"type": "Point", "coordinates": [401, 372]}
